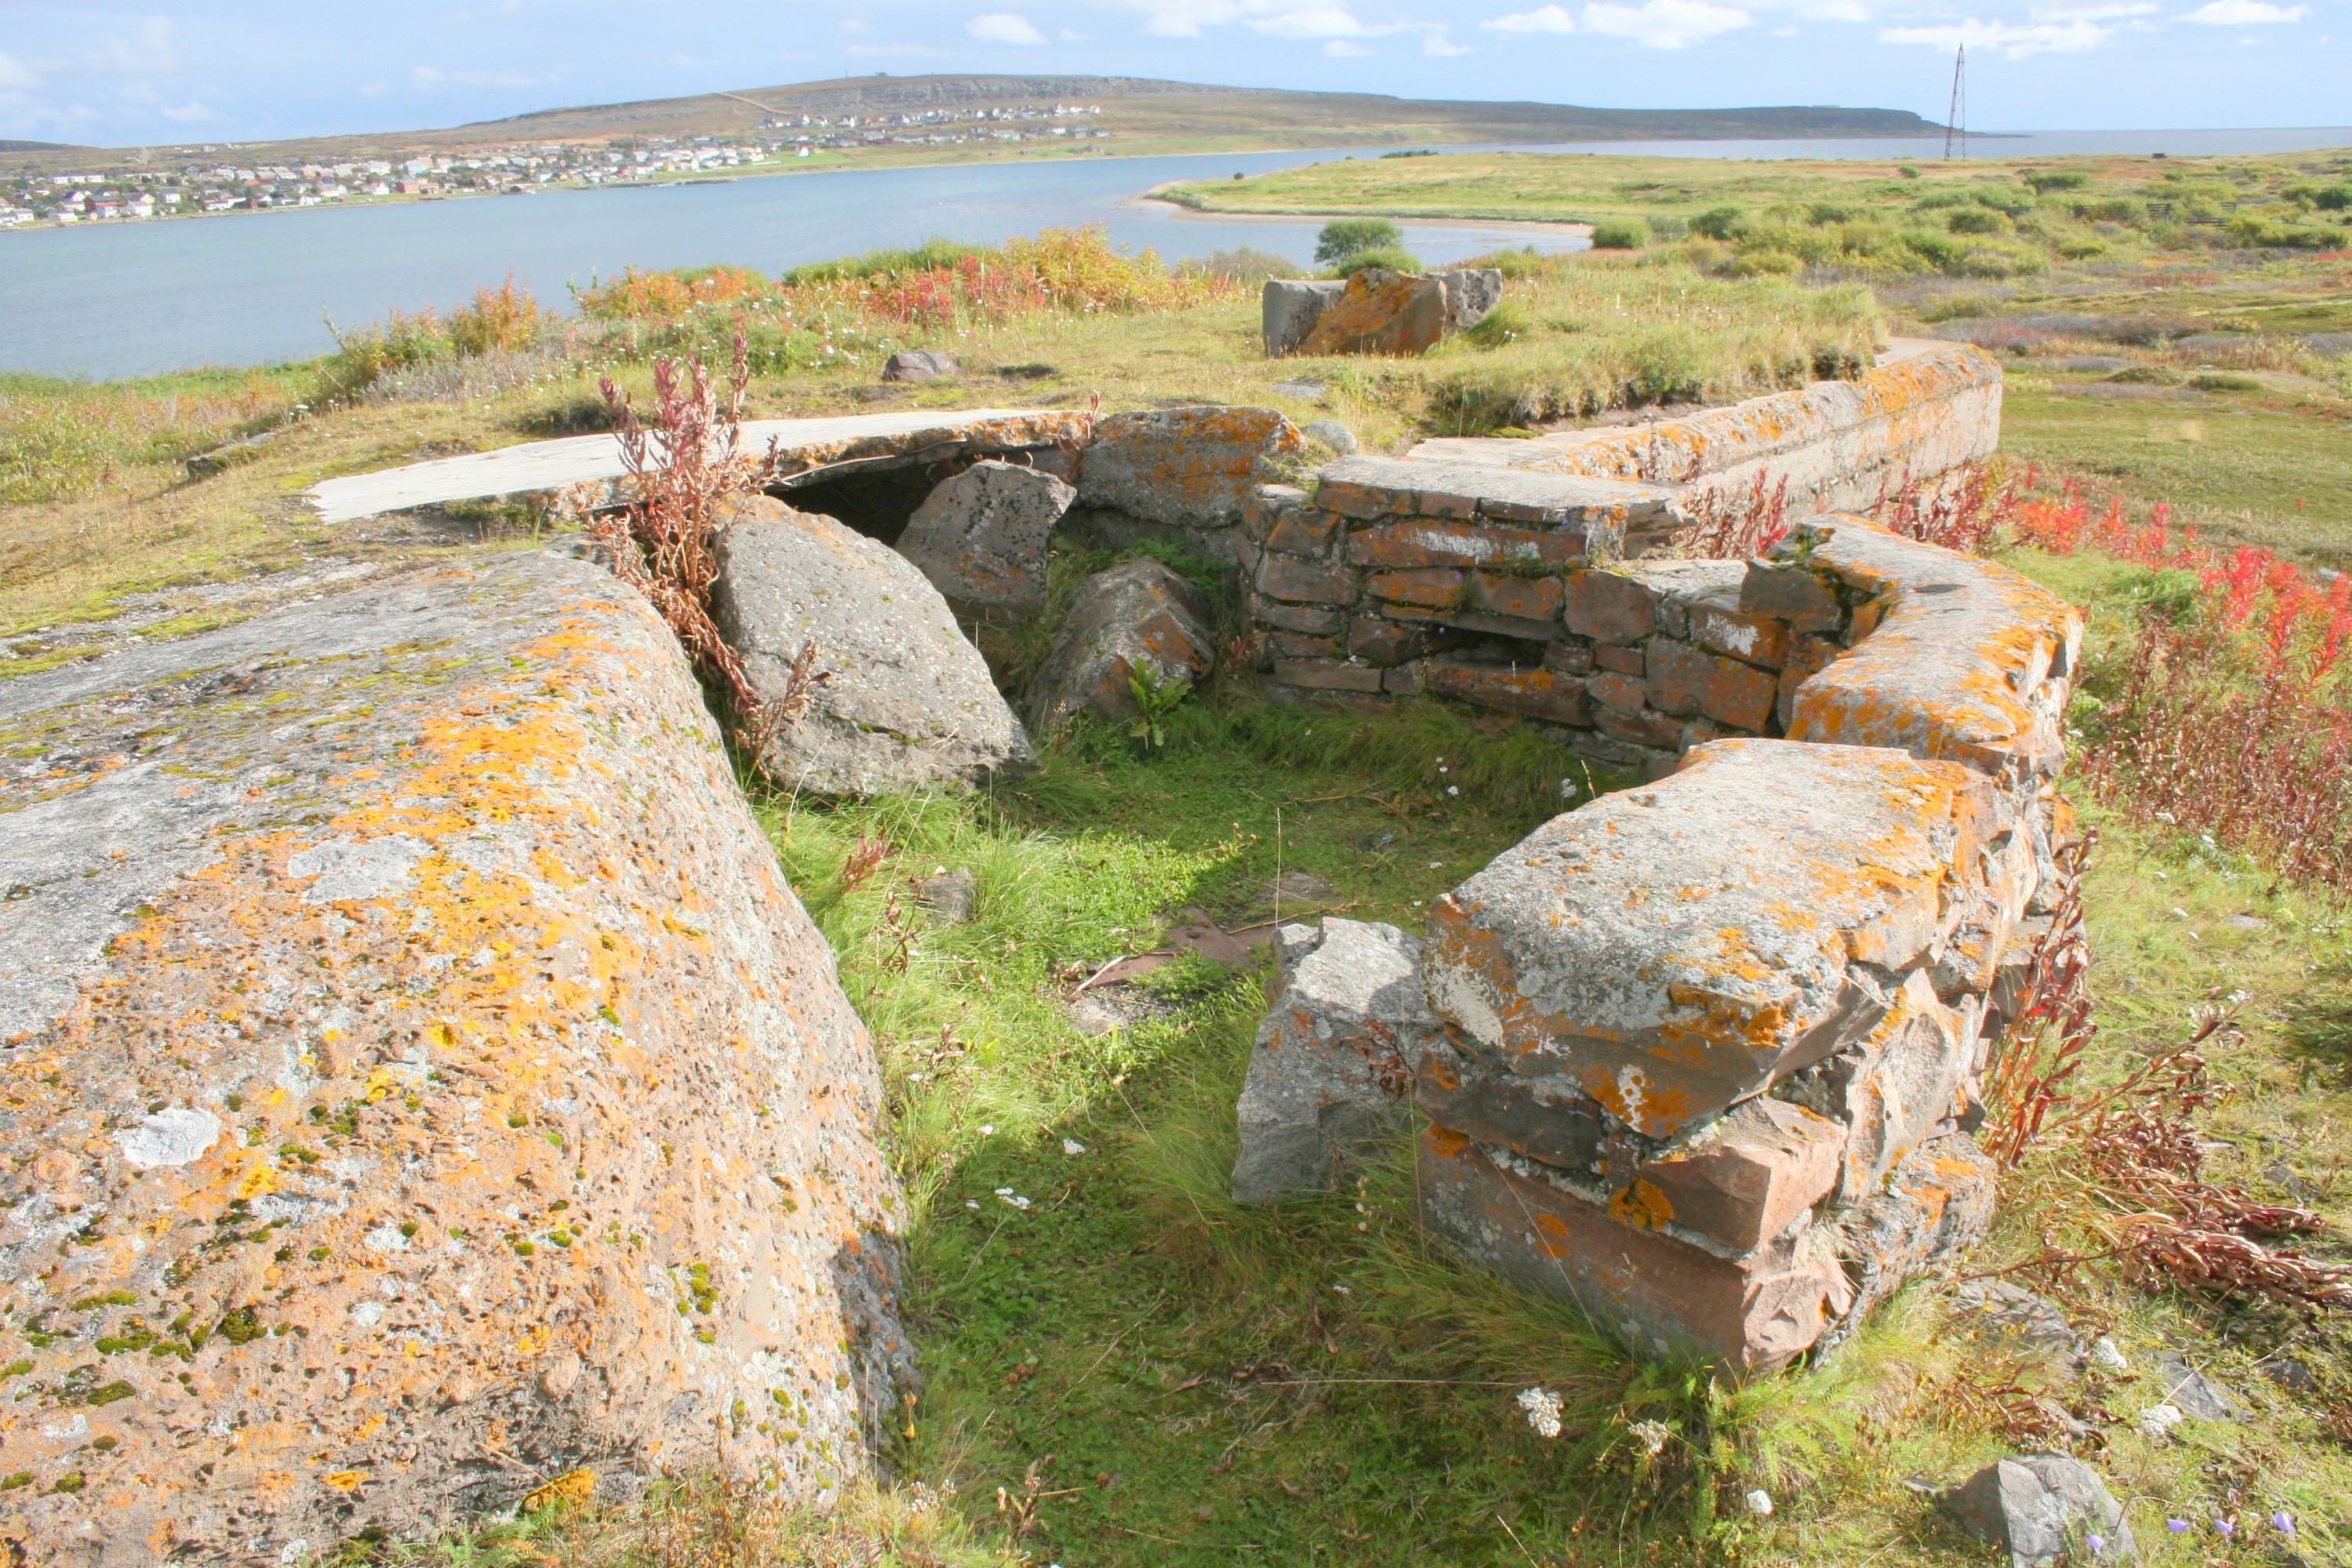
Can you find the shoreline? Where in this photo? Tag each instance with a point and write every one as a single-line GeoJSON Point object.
{"type": "Point", "coordinates": [1573, 228]}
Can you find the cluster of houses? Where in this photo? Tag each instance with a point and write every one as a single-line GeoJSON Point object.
{"type": "Point", "coordinates": [130, 192]}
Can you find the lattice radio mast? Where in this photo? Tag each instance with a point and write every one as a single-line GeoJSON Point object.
{"type": "Point", "coordinates": [1955, 119]}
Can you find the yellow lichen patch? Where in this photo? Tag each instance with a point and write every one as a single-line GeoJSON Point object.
{"type": "Point", "coordinates": [1643, 1206]}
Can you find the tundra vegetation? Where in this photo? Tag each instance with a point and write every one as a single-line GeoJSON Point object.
{"type": "Point", "coordinates": [1125, 1367]}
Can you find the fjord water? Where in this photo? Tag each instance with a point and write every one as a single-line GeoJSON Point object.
{"type": "Point", "coordinates": [139, 298]}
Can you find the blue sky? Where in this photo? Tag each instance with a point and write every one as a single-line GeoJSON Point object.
{"type": "Point", "coordinates": [163, 71]}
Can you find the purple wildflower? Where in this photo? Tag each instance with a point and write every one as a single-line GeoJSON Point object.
{"type": "Point", "coordinates": [2098, 1545]}
{"type": "Point", "coordinates": [2178, 1526]}
{"type": "Point", "coordinates": [2283, 1522]}
{"type": "Point", "coordinates": [2229, 1532]}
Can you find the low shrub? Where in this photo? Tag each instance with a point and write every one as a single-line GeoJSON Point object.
{"type": "Point", "coordinates": [1621, 234]}
{"type": "Point", "coordinates": [1718, 222]}
{"type": "Point", "coordinates": [1245, 265]}
{"type": "Point", "coordinates": [1349, 237]}
{"type": "Point", "coordinates": [1387, 255]}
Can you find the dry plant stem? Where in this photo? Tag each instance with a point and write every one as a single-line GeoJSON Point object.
{"type": "Point", "coordinates": [2046, 1046]}
{"type": "Point", "coordinates": [1735, 524]}
{"type": "Point", "coordinates": [666, 542]}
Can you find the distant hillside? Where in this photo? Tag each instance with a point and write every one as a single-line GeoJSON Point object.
{"type": "Point", "coordinates": [1142, 106]}
{"type": "Point", "coordinates": [1141, 115]}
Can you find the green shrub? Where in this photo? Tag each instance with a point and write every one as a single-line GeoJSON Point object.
{"type": "Point", "coordinates": [1525, 262]}
{"type": "Point", "coordinates": [1387, 255]}
{"type": "Point", "coordinates": [2269, 234]}
{"type": "Point", "coordinates": [2223, 381]}
{"type": "Point", "coordinates": [1976, 220]}
{"type": "Point", "coordinates": [1939, 250]}
{"type": "Point", "coordinates": [2045, 180]}
{"type": "Point", "coordinates": [1246, 265]}
{"type": "Point", "coordinates": [886, 263]}
{"type": "Point", "coordinates": [1667, 227]}
{"type": "Point", "coordinates": [1718, 222]}
{"type": "Point", "coordinates": [2333, 198]}
{"type": "Point", "coordinates": [1764, 264]}
{"type": "Point", "coordinates": [1506, 322]}
{"type": "Point", "coordinates": [1343, 238]}
{"type": "Point", "coordinates": [1828, 211]}
{"type": "Point", "coordinates": [1621, 234]}
{"type": "Point", "coordinates": [1908, 171]}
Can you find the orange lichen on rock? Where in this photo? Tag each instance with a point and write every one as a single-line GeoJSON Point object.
{"type": "Point", "coordinates": [386, 1135]}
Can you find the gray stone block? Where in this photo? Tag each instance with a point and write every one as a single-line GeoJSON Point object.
{"type": "Point", "coordinates": [910, 703]}
{"type": "Point", "coordinates": [1470, 293]}
{"type": "Point", "coordinates": [1289, 309]}
{"type": "Point", "coordinates": [921, 365]}
{"type": "Point", "coordinates": [980, 536]}
{"type": "Point", "coordinates": [1188, 468]}
{"type": "Point", "coordinates": [1334, 1066]}
{"type": "Point", "coordinates": [1137, 612]}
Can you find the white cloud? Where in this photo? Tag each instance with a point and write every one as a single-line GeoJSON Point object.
{"type": "Point", "coordinates": [1542, 19]}
{"type": "Point", "coordinates": [1664, 24]}
{"type": "Point", "coordinates": [1347, 49]}
{"type": "Point", "coordinates": [150, 50]}
{"type": "Point", "coordinates": [1003, 28]}
{"type": "Point", "coordinates": [189, 114]}
{"type": "Point", "coordinates": [854, 25]}
{"type": "Point", "coordinates": [2017, 40]}
{"type": "Point", "coordinates": [2245, 14]}
{"type": "Point", "coordinates": [2096, 11]}
{"type": "Point", "coordinates": [15, 76]}
{"type": "Point", "coordinates": [1312, 22]}
{"type": "Point", "coordinates": [1437, 46]}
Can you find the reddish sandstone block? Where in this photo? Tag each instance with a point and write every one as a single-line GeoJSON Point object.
{"type": "Point", "coordinates": [1662, 1295]}
{"type": "Point", "coordinates": [1316, 620]}
{"type": "Point", "coordinates": [1295, 644]}
{"type": "Point", "coordinates": [1936, 1205]}
{"type": "Point", "coordinates": [1381, 313]}
{"type": "Point", "coordinates": [1610, 609]}
{"type": "Point", "coordinates": [1302, 530]}
{"type": "Point", "coordinates": [1753, 639]}
{"type": "Point", "coordinates": [1619, 693]}
{"type": "Point", "coordinates": [1266, 507]}
{"type": "Point", "coordinates": [1570, 655]}
{"type": "Point", "coordinates": [1545, 1120]}
{"type": "Point", "coordinates": [1527, 598]}
{"type": "Point", "coordinates": [1304, 582]}
{"type": "Point", "coordinates": [1808, 656]}
{"type": "Point", "coordinates": [1764, 1169]}
{"type": "Point", "coordinates": [1426, 542]}
{"type": "Point", "coordinates": [1684, 682]}
{"type": "Point", "coordinates": [1424, 587]}
{"type": "Point", "coordinates": [1326, 675]}
{"type": "Point", "coordinates": [1527, 688]}
{"type": "Point", "coordinates": [1623, 660]}
{"type": "Point", "coordinates": [1647, 728]}
{"type": "Point", "coordinates": [1376, 641]}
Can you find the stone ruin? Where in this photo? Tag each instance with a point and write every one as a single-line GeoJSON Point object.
{"type": "Point", "coordinates": [1701, 1056]}
{"type": "Point", "coordinates": [1375, 310]}
{"type": "Point", "coordinates": [420, 1081]}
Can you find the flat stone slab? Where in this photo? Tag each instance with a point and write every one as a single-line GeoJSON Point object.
{"type": "Point", "coordinates": [537, 468]}
{"type": "Point", "coordinates": [1969, 660]}
{"type": "Point", "coordinates": [415, 1054]}
{"type": "Point", "coordinates": [1366, 488]}
{"type": "Point", "coordinates": [1672, 950]}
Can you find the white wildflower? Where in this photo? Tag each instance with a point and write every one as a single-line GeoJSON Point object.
{"type": "Point", "coordinates": [1542, 1406]}
{"type": "Point", "coordinates": [2106, 1354]}
{"type": "Point", "coordinates": [1759, 1502]}
{"type": "Point", "coordinates": [1652, 1436]}
{"type": "Point", "coordinates": [987, 1130]}
{"type": "Point", "coordinates": [1015, 1199]}
{"type": "Point", "coordinates": [2157, 1420]}
{"type": "Point", "coordinates": [1073, 1147]}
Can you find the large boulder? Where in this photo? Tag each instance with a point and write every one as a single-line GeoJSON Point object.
{"type": "Point", "coordinates": [1185, 467]}
{"type": "Point", "coordinates": [980, 536]}
{"type": "Point", "coordinates": [909, 703]}
{"type": "Point", "coordinates": [420, 1082]}
{"type": "Point", "coordinates": [1381, 312]}
{"type": "Point", "coordinates": [1332, 1076]}
{"type": "Point", "coordinates": [1137, 613]}
{"type": "Point", "coordinates": [1470, 293]}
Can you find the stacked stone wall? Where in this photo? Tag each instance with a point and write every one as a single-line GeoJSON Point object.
{"type": "Point", "coordinates": [1713, 1045]}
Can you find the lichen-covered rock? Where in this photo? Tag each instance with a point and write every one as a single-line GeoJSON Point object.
{"type": "Point", "coordinates": [921, 365]}
{"type": "Point", "coordinates": [1381, 312]}
{"type": "Point", "coordinates": [421, 1081]}
{"type": "Point", "coordinates": [1135, 612]}
{"type": "Point", "coordinates": [1964, 658]}
{"type": "Point", "coordinates": [1675, 949]}
{"type": "Point", "coordinates": [1186, 468]}
{"type": "Point", "coordinates": [1471, 292]}
{"type": "Point", "coordinates": [2040, 1507]}
{"type": "Point", "coordinates": [1290, 308]}
{"type": "Point", "coordinates": [910, 703]}
{"type": "Point", "coordinates": [980, 536]}
{"type": "Point", "coordinates": [1335, 1059]}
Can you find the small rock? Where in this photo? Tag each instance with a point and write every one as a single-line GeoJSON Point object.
{"type": "Point", "coordinates": [2195, 1394]}
{"type": "Point", "coordinates": [2020, 1315]}
{"type": "Point", "coordinates": [2281, 1176]}
{"type": "Point", "coordinates": [1186, 468]}
{"type": "Point", "coordinates": [980, 536]}
{"type": "Point", "coordinates": [1310, 391]}
{"type": "Point", "coordinates": [2289, 1373]}
{"type": "Point", "coordinates": [1332, 434]}
{"type": "Point", "coordinates": [950, 895]}
{"type": "Point", "coordinates": [1135, 612]}
{"type": "Point", "coordinates": [2108, 1356]}
{"type": "Point", "coordinates": [1332, 1072]}
{"type": "Point", "coordinates": [2031, 1504]}
{"type": "Point", "coordinates": [921, 365]}
{"type": "Point", "coordinates": [2159, 1420]}
{"type": "Point", "coordinates": [559, 1376]}
{"type": "Point", "coordinates": [1301, 887]}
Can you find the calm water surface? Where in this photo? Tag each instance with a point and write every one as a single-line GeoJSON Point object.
{"type": "Point", "coordinates": [248, 288]}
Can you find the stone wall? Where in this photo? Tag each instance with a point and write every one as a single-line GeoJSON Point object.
{"type": "Point", "coordinates": [1924, 408]}
{"type": "Point", "coordinates": [420, 1081]}
{"type": "Point", "coordinates": [1715, 1042]}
